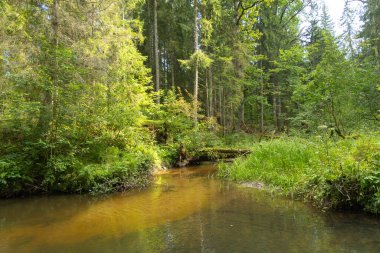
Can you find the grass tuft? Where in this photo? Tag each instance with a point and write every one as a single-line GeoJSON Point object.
{"type": "Point", "coordinates": [341, 174]}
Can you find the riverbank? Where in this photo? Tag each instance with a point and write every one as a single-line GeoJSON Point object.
{"type": "Point", "coordinates": [342, 174]}
{"type": "Point", "coordinates": [118, 170]}
{"type": "Point", "coordinates": [100, 168]}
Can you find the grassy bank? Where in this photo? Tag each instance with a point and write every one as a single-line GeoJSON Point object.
{"type": "Point", "coordinates": [342, 174]}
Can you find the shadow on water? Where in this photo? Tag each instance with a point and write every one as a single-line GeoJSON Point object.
{"type": "Point", "coordinates": [186, 210]}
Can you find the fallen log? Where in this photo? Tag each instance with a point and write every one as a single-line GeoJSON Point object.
{"type": "Point", "coordinates": [213, 155]}
{"type": "Point", "coordinates": [231, 152]}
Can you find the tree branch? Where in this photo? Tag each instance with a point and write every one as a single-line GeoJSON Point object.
{"type": "Point", "coordinates": [244, 9]}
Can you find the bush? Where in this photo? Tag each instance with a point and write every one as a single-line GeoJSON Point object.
{"type": "Point", "coordinates": [12, 178]}
{"type": "Point", "coordinates": [118, 170]}
{"type": "Point", "coordinates": [350, 179]}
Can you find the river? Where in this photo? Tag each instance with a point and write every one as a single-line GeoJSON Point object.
{"type": "Point", "coordinates": [185, 210]}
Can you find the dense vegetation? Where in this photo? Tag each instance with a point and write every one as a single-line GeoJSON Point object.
{"type": "Point", "coordinates": [96, 94]}
{"type": "Point", "coordinates": [341, 174]}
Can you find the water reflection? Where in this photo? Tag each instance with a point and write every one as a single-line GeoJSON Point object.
{"type": "Point", "coordinates": [72, 220]}
{"type": "Point", "coordinates": [185, 211]}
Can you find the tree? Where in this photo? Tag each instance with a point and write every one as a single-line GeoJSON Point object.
{"type": "Point", "coordinates": [74, 89]}
{"type": "Point", "coordinates": [347, 21]}
{"type": "Point", "coordinates": [279, 27]}
{"type": "Point", "coordinates": [370, 32]}
{"type": "Point", "coordinates": [196, 68]}
{"type": "Point", "coordinates": [156, 53]}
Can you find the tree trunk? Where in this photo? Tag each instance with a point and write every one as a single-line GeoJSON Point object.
{"type": "Point", "coordinates": [262, 105]}
{"type": "Point", "coordinates": [262, 95]}
{"type": "Point", "coordinates": [172, 68]}
{"type": "Point", "coordinates": [211, 108]}
{"type": "Point", "coordinates": [156, 53]}
{"type": "Point", "coordinates": [274, 104]}
{"type": "Point", "coordinates": [220, 106]}
{"type": "Point", "coordinates": [377, 58]}
{"type": "Point", "coordinates": [242, 113]}
{"type": "Point", "coordinates": [55, 25]}
{"type": "Point", "coordinates": [279, 114]}
{"type": "Point", "coordinates": [166, 65]}
{"type": "Point", "coordinates": [207, 96]}
{"type": "Point", "coordinates": [224, 112]}
{"type": "Point", "coordinates": [151, 36]}
{"type": "Point", "coordinates": [196, 63]}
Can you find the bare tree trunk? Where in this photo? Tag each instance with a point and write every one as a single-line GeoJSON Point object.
{"type": "Point", "coordinates": [196, 93]}
{"type": "Point", "coordinates": [172, 68]}
{"type": "Point", "coordinates": [241, 119]}
{"type": "Point", "coordinates": [215, 102]}
{"type": "Point", "coordinates": [242, 113]}
{"type": "Point", "coordinates": [262, 105]}
{"type": "Point", "coordinates": [224, 112]}
{"type": "Point", "coordinates": [211, 108]}
{"type": "Point", "coordinates": [196, 77]}
{"type": "Point", "coordinates": [166, 66]}
{"type": "Point", "coordinates": [220, 106]}
{"type": "Point", "coordinates": [55, 26]}
{"type": "Point", "coordinates": [274, 104]}
{"type": "Point", "coordinates": [377, 58]}
{"type": "Point", "coordinates": [338, 129]}
{"type": "Point", "coordinates": [207, 96]}
{"type": "Point", "coordinates": [156, 53]}
{"type": "Point", "coordinates": [232, 115]}
{"type": "Point", "coordinates": [279, 113]}
{"type": "Point", "coordinates": [123, 13]}
{"type": "Point", "coordinates": [151, 36]}
{"type": "Point", "coordinates": [261, 94]}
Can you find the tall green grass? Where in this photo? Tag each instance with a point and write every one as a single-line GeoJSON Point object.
{"type": "Point", "coordinates": [333, 174]}
{"type": "Point", "coordinates": [282, 163]}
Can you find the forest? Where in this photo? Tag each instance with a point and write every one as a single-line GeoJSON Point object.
{"type": "Point", "coordinates": [97, 95]}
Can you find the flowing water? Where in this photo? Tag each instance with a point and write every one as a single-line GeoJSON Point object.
{"type": "Point", "coordinates": [186, 210]}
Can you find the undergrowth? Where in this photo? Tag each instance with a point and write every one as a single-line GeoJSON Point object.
{"type": "Point", "coordinates": [342, 174]}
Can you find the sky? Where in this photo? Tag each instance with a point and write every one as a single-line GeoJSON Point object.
{"type": "Point", "coordinates": [336, 9]}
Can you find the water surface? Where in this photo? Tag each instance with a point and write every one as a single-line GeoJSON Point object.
{"type": "Point", "coordinates": [186, 210]}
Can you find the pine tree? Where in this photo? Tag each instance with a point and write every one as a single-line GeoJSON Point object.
{"type": "Point", "coordinates": [349, 34]}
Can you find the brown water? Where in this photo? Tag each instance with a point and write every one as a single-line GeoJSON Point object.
{"type": "Point", "coordinates": [186, 210]}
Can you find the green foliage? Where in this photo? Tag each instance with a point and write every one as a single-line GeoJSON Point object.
{"type": "Point", "coordinates": [348, 177]}
{"type": "Point", "coordinates": [12, 178]}
{"type": "Point", "coordinates": [125, 170]}
{"type": "Point", "coordinates": [239, 140]}
{"type": "Point", "coordinates": [175, 126]}
{"type": "Point", "coordinates": [72, 96]}
{"type": "Point", "coordinates": [330, 95]}
{"type": "Point", "coordinates": [332, 174]}
{"type": "Point", "coordinates": [199, 59]}
{"type": "Point", "coordinates": [120, 170]}
{"type": "Point", "coordinates": [281, 163]}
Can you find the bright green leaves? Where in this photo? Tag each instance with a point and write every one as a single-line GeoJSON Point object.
{"type": "Point", "coordinates": [198, 58]}
{"type": "Point", "coordinates": [78, 87]}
